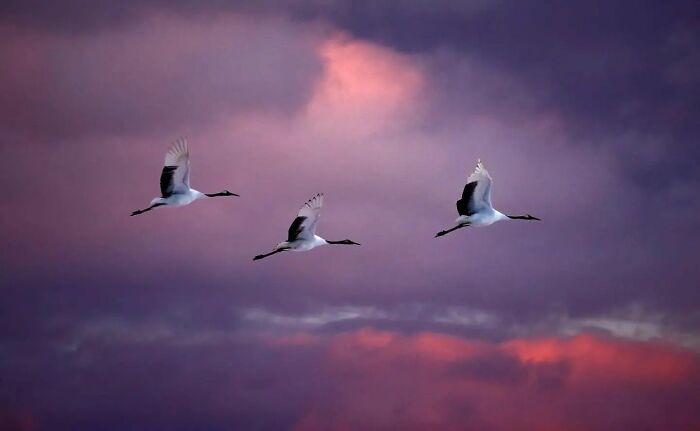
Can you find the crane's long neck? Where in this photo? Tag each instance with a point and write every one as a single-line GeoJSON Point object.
{"type": "Point", "coordinates": [522, 217]}
{"type": "Point", "coordinates": [344, 242]}
{"type": "Point", "coordinates": [224, 193]}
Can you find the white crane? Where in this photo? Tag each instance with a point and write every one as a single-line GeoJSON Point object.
{"type": "Point", "coordinates": [475, 206]}
{"type": "Point", "coordinates": [175, 180]}
{"type": "Point", "coordinates": [302, 233]}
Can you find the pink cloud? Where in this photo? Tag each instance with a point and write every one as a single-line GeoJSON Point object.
{"type": "Point", "coordinates": [363, 85]}
{"type": "Point", "coordinates": [619, 360]}
{"type": "Point", "coordinates": [387, 380]}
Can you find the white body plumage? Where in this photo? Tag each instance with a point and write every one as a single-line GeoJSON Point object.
{"type": "Point", "coordinates": [475, 207]}
{"type": "Point", "coordinates": [302, 232]}
{"type": "Point", "coordinates": [483, 218]}
{"type": "Point", "coordinates": [180, 199]}
{"type": "Point", "coordinates": [303, 244]}
{"type": "Point", "coordinates": [175, 181]}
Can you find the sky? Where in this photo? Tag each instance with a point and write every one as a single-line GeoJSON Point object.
{"type": "Point", "coordinates": [587, 115]}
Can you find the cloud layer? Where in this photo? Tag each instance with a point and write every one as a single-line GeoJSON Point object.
{"type": "Point", "coordinates": [586, 320]}
{"type": "Point", "coordinates": [365, 379]}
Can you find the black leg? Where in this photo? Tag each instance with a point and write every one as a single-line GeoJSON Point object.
{"type": "Point", "coordinates": [445, 232]}
{"type": "Point", "coordinates": [137, 212]}
{"type": "Point", "coordinates": [263, 256]}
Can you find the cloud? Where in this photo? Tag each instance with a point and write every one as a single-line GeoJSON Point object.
{"type": "Point", "coordinates": [384, 380]}
{"type": "Point", "coordinates": [165, 73]}
{"type": "Point", "coordinates": [387, 135]}
{"type": "Point", "coordinates": [363, 85]}
{"type": "Point", "coordinates": [165, 322]}
{"type": "Point", "coordinates": [365, 378]}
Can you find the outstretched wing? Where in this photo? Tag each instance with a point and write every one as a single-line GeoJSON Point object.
{"type": "Point", "coordinates": [476, 195]}
{"type": "Point", "coordinates": [175, 177]}
{"type": "Point", "coordinates": [304, 225]}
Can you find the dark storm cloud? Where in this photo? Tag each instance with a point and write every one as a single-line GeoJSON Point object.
{"type": "Point", "coordinates": [156, 383]}
{"type": "Point", "coordinates": [86, 17]}
{"type": "Point", "coordinates": [608, 64]}
{"type": "Point", "coordinates": [164, 72]}
{"type": "Point", "coordinates": [585, 114]}
{"type": "Point", "coordinates": [609, 68]}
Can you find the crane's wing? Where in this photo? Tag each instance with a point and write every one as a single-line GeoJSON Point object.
{"type": "Point", "coordinates": [175, 177]}
{"type": "Point", "coordinates": [476, 195]}
{"type": "Point", "coordinates": [304, 226]}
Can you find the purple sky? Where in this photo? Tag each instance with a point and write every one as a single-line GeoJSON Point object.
{"type": "Point", "coordinates": [587, 115]}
